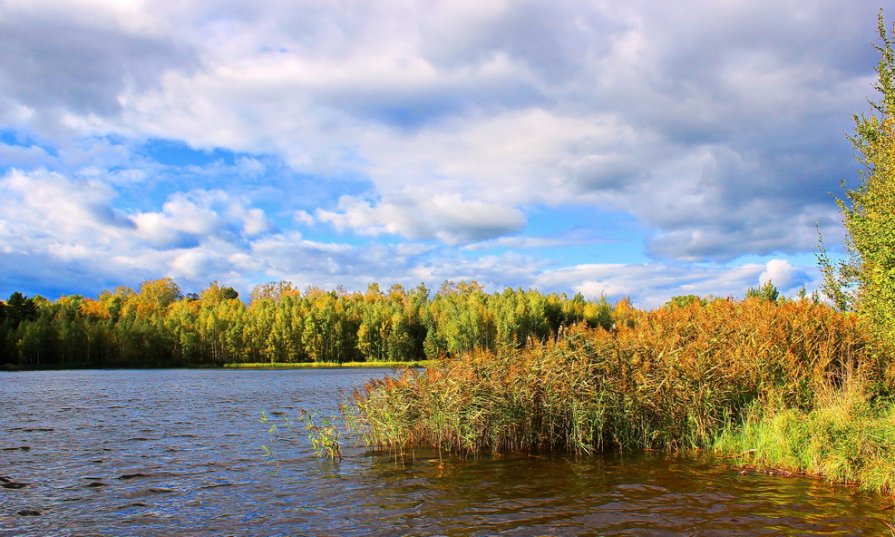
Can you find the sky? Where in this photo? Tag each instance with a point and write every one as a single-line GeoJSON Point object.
{"type": "Point", "coordinates": [640, 149]}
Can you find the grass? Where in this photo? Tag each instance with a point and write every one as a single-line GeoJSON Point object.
{"type": "Point", "coordinates": [722, 376]}
{"type": "Point", "coordinates": [848, 437]}
{"type": "Point", "coordinates": [317, 365]}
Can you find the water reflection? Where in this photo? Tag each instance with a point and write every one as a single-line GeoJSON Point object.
{"type": "Point", "coordinates": [178, 452]}
{"type": "Point", "coordinates": [646, 495]}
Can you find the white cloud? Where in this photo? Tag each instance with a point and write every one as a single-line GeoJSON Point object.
{"type": "Point", "coordinates": [66, 228]}
{"type": "Point", "coordinates": [717, 126]}
{"type": "Point", "coordinates": [651, 285]}
{"type": "Point", "coordinates": [446, 217]}
{"type": "Point", "coordinates": [532, 105]}
{"type": "Point", "coordinates": [782, 274]}
{"type": "Point", "coordinates": [187, 218]}
{"type": "Point", "coordinates": [521, 241]}
{"type": "Point", "coordinates": [303, 217]}
{"type": "Point", "coordinates": [57, 223]}
{"type": "Point", "coordinates": [30, 156]}
{"type": "Point", "coordinates": [37, 204]}
{"type": "Point", "coordinates": [67, 61]}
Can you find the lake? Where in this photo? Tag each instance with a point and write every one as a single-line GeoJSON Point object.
{"type": "Point", "coordinates": [178, 452]}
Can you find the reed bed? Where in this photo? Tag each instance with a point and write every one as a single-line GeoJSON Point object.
{"type": "Point", "coordinates": [668, 379]}
{"type": "Point", "coordinates": [320, 365]}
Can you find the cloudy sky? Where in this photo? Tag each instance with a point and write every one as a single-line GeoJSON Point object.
{"type": "Point", "coordinates": [641, 148]}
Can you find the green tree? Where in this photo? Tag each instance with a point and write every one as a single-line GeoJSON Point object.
{"type": "Point", "coordinates": [682, 301]}
{"type": "Point", "coordinates": [865, 281]}
{"type": "Point", "coordinates": [766, 291]}
{"type": "Point", "coordinates": [20, 308]}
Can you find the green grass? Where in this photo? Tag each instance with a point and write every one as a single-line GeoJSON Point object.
{"type": "Point", "coordinates": [846, 438]}
{"type": "Point", "coordinates": [318, 365]}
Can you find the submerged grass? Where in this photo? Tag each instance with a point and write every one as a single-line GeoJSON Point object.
{"type": "Point", "coordinates": [670, 379]}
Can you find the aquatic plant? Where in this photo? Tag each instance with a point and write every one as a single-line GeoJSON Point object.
{"type": "Point", "coordinates": [325, 365]}
{"type": "Point", "coordinates": [272, 431]}
{"type": "Point", "coordinates": [667, 379]}
{"type": "Point", "coordinates": [847, 437]}
{"type": "Point", "coordinates": [323, 434]}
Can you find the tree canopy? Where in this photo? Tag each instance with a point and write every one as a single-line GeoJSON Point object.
{"type": "Point", "coordinates": [865, 281]}
{"type": "Point", "coordinates": [160, 326]}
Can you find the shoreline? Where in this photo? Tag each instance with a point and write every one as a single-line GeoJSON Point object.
{"type": "Point", "coordinates": [11, 368]}
{"type": "Point", "coordinates": [328, 365]}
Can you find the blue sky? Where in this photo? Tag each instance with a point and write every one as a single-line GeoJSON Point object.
{"type": "Point", "coordinates": [643, 149]}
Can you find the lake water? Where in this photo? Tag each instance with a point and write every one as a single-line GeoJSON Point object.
{"type": "Point", "coordinates": [178, 452]}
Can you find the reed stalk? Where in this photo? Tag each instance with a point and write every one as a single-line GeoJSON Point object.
{"type": "Point", "coordinates": [669, 379]}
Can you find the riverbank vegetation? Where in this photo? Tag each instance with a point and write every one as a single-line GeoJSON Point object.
{"type": "Point", "coordinates": [671, 378]}
{"type": "Point", "coordinates": [797, 385]}
{"type": "Point", "coordinates": [848, 436]}
{"type": "Point", "coordinates": [159, 326]}
{"type": "Point", "coordinates": [324, 365]}
{"type": "Point", "coordinates": [793, 385]}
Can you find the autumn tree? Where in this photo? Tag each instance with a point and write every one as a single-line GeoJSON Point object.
{"type": "Point", "coordinates": [155, 296]}
{"type": "Point", "coordinates": [273, 291]}
{"type": "Point", "coordinates": [216, 293]}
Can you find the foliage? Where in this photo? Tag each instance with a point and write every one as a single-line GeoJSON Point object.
{"type": "Point", "coordinates": [866, 280]}
{"type": "Point", "coordinates": [18, 309]}
{"type": "Point", "coordinates": [323, 434]}
{"type": "Point", "coordinates": [683, 301]}
{"type": "Point", "coordinates": [666, 379]}
{"type": "Point", "coordinates": [272, 431]}
{"type": "Point", "coordinates": [321, 365]}
{"type": "Point", "coordinates": [159, 326]}
{"type": "Point", "coordinates": [847, 437]}
{"type": "Point", "coordinates": [766, 291]}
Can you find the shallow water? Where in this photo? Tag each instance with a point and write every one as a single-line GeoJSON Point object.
{"type": "Point", "coordinates": [178, 452]}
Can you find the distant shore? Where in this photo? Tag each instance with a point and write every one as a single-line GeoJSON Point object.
{"type": "Point", "coordinates": [319, 365]}
{"type": "Point", "coordinates": [9, 368]}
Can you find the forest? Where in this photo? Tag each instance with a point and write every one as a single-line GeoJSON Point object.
{"type": "Point", "coordinates": [159, 326]}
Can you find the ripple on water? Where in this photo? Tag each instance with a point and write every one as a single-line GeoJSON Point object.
{"type": "Point", "coordinates": [178, 452]}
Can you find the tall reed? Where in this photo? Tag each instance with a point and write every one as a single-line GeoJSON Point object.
{"type": "Point", "coordinates": [666, 379]}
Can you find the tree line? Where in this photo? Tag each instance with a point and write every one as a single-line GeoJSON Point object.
{"type": "Point", "coordinates": [159, 326]}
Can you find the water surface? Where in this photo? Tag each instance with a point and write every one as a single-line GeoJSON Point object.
{"type": "Point", "coordinates": [178, 452]}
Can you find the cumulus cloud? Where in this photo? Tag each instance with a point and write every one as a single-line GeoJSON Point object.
{"type": "Point", "coordinates": [303, 217]}
{"type": "Point", "coordinates": [187, 218]}
{"type": "Point", "coordinates": [651, 285]}
{"type": "Point", "coordinates": [41, 202]}
{"type": "Point", "coordinates": [80, 57]}
{"type": "Point", "coordinates": [529, 103]}
{"type": "Point", "coordinates": [72, 227]}
{"type": "Point", "coordinates": [783, 275]}
{"type": "Point", "coordinates": [446, 217]}
{"type": "Point", "coordinates": [717, 126]}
